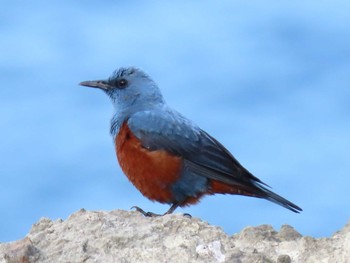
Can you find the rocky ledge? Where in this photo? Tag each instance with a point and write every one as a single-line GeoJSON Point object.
{"type": "Point", "coordinates": [127, 236]}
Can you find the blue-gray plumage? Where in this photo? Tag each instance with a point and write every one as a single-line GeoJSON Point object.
{"type": "Point", "coordinates": [165, 155]}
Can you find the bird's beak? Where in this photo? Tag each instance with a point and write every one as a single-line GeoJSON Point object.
{"type": "Point", "coordinates": [101, 84]}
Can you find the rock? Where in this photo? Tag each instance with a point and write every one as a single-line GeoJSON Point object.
{"type": "Point", "coordinates": [22, 251]}
{"type": "Point", "coordinates": [127, 236]}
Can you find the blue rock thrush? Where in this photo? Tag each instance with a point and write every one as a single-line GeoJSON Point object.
{"type": "Point", "coordinates": [166, 156]}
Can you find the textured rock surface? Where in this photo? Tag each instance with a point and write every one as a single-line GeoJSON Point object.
{"type": "Point", "coordinates": [126, 236]}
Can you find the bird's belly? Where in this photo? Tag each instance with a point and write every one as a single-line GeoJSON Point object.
{"type": "Point", "coordinates": [152, 172]}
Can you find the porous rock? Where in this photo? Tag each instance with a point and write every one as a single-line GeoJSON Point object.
{"type": "Point", "coordinates": [127, 236]}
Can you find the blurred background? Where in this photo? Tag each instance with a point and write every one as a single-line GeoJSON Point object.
{"type": "Point", "coordinates": [270, 80]}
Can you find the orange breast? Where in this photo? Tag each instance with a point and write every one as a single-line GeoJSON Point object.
{"type": "Point", "coordinates": [152, 172]}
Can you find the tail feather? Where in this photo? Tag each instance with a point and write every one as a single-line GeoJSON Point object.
{"type": "Point", "coordinates": [277, 199]}
{"type": "Point", "coordinates": [256, 189]}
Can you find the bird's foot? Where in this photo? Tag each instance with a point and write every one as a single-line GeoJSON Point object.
{"type": "Point", "coordinates": [146, 214]}
{"type": "Point", "coordinates": [187, 215]}
{"type": "Point", "coordinates": [151, 214]}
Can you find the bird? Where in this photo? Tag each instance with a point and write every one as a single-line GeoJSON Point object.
{"type": "Point", "coordinates": [165, 155]}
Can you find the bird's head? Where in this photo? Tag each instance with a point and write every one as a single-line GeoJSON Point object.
{"type": "Point", "coordinates": [129, 89]}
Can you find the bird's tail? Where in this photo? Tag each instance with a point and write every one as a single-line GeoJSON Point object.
{"type": "Point", "coordinates": [255, 189]}
{"type": "Point", "coordinates": [277, 199]}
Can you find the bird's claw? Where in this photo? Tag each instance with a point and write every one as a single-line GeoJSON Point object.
{"type": "Point", "coordinates": [146, 214]}
{"type": "Point", "coordinates": [187, 215]}
{"type": "Point", "coordinates": [151, 214]}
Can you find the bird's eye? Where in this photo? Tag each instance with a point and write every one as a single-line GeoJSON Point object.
{"type": "Point", "coordinates": [122, 83]}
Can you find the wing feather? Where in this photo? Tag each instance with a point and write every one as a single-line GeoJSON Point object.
{"type": "Point", "coordinates": [204, 154]}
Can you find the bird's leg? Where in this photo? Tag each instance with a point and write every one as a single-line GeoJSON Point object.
{"type": "Point", "coordinates": [171, 209]}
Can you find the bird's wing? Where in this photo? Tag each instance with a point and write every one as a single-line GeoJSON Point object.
{"type": "Point", "coordinates": [202, 154]}
{"type": "Point", "coordinates": [170, 131]}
